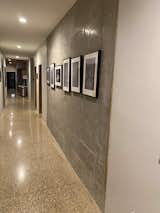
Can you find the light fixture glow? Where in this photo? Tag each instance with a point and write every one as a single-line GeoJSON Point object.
{"type": "Point", "coordinates": [19, 46]}
{"type": "Point", "coordinates": [17, 57]}
{"type": "Point", "coordinates": [10, 62]}
{"type": "Point", "coordinates": [9, 59]}
{"type": "Point", "coordinates": [22, 20]}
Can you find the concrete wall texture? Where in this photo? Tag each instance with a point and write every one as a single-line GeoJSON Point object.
{"type": "Point", "coordinates": [81, 124]}
{"type": "Point", "coordinates": [134, 152]}
{"type": "Point", "coordinates": [40, 58]}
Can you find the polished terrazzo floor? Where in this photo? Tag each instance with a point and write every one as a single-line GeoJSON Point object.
{"type": "Point", "coordinates": [35, 176]}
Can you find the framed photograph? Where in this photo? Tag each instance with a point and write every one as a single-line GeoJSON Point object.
{"type": "Point", "coordinates": [76, 68]}
{"type": "Point", "coordinates": [90, 74]}
{"type": "Point", "coordinates": [58, 76]}
{"type": "Point", "coordinates": [66, 74]}
{"type": "Point", "coordinates": [48, 76]}
{"type": "Point", "coordinates": [52, 76]}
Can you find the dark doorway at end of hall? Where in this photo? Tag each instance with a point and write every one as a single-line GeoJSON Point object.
{"type": "Point", "coordinates": [17, 77]}
{"type": "Point", "coordinates": [11, 82]}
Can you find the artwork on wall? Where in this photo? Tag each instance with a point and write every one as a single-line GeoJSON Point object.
{"type": "Point", "coordinates": [48, 76]}
{"type": "Point", "coordinates": [66, 74]}
{"type": "Point", "coordinates": [72, 78]}
{"type": "Point", "coordinates": [52, 76]}
{"type": "Point", "coordinates": [90, 74]}
{"type": "Point", "coordinates": [76, 67]}
{"type": "Point", "coordinates": [58, 76]}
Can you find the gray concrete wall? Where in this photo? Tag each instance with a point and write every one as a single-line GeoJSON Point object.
{"type": "Point", "coordinates": [40, 58]}
{"type": "Point", "coordinates": [81, 124]}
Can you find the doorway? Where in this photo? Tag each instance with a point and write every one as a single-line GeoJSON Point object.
{"type": "Point", "coordinates": [40, 89]}
{"type": "Point", "coordinates": [11, 82]}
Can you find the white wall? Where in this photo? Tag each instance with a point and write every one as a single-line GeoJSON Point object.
{"type": "Point", "coordinates": [10, 68]}
{"type": "Point", "coordinates": [134, 173]}
{"type": "Point", "coordinates": [40, 58]}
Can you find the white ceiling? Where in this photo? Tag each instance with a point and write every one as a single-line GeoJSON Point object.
{"type": "Point", "coordinates": [42, 16]}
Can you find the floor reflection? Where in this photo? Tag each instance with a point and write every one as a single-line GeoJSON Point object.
{"type": "Point", "coordinates": [19, 143]}
{"type": "Point", "coordinates": [35, 176]}
{"type": "Point", "coordinates": [21, 174]}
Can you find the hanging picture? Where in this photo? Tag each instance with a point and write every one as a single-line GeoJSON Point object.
{"type": "Point", "coordinates": [66, 75]}
{"type": "Point", "coordinates": [76, 74]}
{"type": "Point", "coordinates": [48, 76]}
{"type": "Point", "coordinates": [58, 76]}
{"type": "Point", "coordinates": [90, 75]}
{"type": "Point", "coordinates": [52, 76]}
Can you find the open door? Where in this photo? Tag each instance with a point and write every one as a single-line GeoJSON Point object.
{"type": "Point", "coordinates": [40, 89]}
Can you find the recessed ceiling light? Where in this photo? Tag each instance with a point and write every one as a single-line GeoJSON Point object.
{"type": "Point", "coordinates": [17, 56]}
{"type": "Point", "coordinates": [19, 46]}
{"type": "Point", "coordinates": [22, 20]}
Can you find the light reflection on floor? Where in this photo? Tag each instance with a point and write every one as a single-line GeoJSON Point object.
{"type": "Point", "coordinates": [35, 176]}
{"type": "Point", "coordinates": [13, 95]}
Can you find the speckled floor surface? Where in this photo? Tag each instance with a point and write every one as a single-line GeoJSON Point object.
{"type": "Point", "coordinates": [35, 177]}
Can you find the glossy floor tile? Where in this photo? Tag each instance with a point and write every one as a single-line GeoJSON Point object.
{"type": "Point", "coordinates": [35, 176]}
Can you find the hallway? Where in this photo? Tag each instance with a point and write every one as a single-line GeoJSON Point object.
{"type": "Point", "coordinates": [35, 177]}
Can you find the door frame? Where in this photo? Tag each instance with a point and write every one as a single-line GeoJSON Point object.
{"type": "Point", "coordinates": [35, 87]}
{"type": "Point", "coordinates": [3, 85]}
{"type": "Point", "coordinates": [40, 88]}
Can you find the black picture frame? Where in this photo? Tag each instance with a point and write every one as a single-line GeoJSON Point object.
{"type": "Point", "coordinates": [91, 74]}
{"type": "Point", "coordinates": [58, 76]}
{"type": "Point", "coordinates": [66, 74]}
{"type": "Point", "coordinates": [48, 76]}
{"type": "Point", "coordinates": [76, 74]}
{"type": "Point", "coordinates": [52, 76]}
